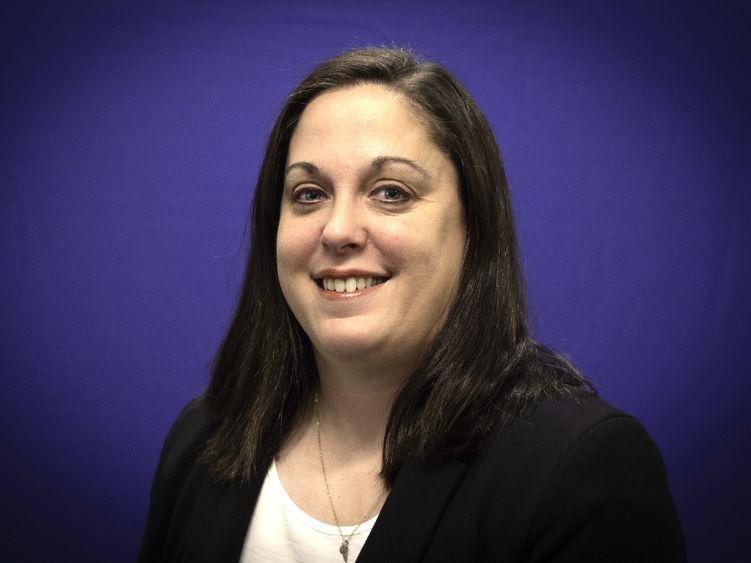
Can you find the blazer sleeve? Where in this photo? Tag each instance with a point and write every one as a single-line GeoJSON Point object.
{"type": "Point", "coordinates": [608, 500]}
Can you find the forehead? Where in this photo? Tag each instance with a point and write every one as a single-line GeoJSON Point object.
{"type": "Point", "coordinates": [368, 119]}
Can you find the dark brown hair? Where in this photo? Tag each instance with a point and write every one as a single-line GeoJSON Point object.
{"type": "Point", "coordinates": [480, 372]}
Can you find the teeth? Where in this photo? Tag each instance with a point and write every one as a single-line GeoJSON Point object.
{"type": "Point", "coordinates": [349, 285]}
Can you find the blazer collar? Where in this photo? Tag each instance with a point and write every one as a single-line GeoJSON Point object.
{"type": "Point", "coordinates": [412, 511]}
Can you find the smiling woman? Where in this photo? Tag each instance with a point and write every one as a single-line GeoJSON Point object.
{"type": "Point", "coordinates": [375, 200]}
{"type": "Point", "coordinates": [377, 396]}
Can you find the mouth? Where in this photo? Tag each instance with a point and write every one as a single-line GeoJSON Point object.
{"type": "Point", "coordinates": [349, 284]}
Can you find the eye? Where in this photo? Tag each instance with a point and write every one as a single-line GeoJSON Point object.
{"type": "Point", "coordinates": [390, 194]}
{"type": "Point", "coordinates": [308, 195]}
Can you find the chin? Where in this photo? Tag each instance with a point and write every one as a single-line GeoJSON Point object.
{"type": "Point", "coordinates": [349, 348]}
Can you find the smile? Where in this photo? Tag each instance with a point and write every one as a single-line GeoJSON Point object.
{"type": "Point", "coordinates": [348, 285]}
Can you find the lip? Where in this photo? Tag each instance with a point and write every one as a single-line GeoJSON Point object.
{"type": "Point", "coordinates": [349, 273]}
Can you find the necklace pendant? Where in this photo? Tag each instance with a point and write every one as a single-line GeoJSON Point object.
{"type": "Point", "coordinates": [344, 550]}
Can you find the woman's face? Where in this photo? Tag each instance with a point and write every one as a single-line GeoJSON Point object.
{"type": "Point", "coordinates": [371, 234]}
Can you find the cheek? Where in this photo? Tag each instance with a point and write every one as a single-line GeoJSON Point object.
{"type": "Point", "coordinates": [290, 255]}
{"type": "Point", "coordinates": [292, 243]}
{"type": "Point", "coordinates": [447, 245]}
{"type": "Point", "coordinates": [290, 269]}
{"type": "Point", "coordinates": [431, 250]}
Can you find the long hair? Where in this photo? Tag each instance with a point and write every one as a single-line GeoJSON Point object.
{"type": "Point", "coordinates": [480, 372]}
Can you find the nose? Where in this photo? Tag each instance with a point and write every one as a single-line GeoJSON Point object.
{"type": "Point", "coordinates": [344, 229]}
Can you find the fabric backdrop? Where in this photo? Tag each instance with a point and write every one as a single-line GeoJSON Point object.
{"type": "Point", "coordinates": [131, 138]}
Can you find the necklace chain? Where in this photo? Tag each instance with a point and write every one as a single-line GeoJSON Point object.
{"type": "Point", "coordinates": [344, 547]}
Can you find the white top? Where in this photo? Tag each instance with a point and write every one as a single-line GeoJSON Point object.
{"type": "Point", "coordinates": [280, 531]}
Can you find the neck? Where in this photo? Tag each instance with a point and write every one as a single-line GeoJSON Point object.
{"type": "Point", "coordinates": [355, 402]}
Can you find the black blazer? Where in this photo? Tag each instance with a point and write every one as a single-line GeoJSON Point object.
{"type": "Point", "coordinates": [575, 480]}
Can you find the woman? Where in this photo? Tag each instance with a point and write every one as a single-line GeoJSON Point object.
{"type": "Point", "coordinates": [377, 396]}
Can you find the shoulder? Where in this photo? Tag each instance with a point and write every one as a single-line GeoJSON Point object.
{"type": "Point", "coordinates": [182, 450]}
{"type": "Point", "coordinates": [179, 460]}
{"type": "Point", "coordinates": [542, 437]}
{"type": "Point", "coordinates": [585, 479]}
{"type": "Point", "coordinates": [187, 436]}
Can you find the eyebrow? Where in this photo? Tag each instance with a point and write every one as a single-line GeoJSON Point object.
{"type": "Point", "coordinates": [309, 167]}
{"type": "Point", "coordinates": [377, 164]}
{"type": "Point", "coordinates": [382, 161]}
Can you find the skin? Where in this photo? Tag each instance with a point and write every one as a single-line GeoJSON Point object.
{"type": "Point", "coordinates": [396, 220]}
{"type": "Point", "coordinates": [367, 194]}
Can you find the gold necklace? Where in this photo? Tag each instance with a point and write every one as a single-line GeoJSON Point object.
{"type": "Point", "coordinates": [344, 548]}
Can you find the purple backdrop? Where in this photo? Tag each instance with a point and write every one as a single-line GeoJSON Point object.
{"type": "Point", "coordinates": [131, 138]}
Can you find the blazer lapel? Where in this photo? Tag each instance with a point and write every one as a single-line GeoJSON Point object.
{"type": "Point", "coordinates": [220, 522]}
{"type": "Point", "coordinates": [412, 511]}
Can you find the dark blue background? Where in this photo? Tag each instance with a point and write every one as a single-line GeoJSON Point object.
{"type": "Point", "coordinates": [131, 137]}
